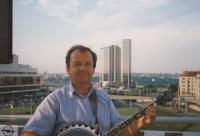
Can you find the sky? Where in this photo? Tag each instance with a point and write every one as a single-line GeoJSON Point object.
{"type": "Point", "coordinates": [165, 34]}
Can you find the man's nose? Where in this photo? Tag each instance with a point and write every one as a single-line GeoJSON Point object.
{"type": "Point", "coordinates": [83, 67]}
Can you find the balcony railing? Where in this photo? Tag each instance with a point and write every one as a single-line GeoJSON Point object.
{"type": "Point", "coordinates": [160, 119]}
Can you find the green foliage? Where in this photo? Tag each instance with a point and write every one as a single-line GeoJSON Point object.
{"type": "Point", "coordinates": [18, 110]}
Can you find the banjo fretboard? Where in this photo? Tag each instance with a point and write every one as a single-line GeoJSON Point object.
{"type": "Point", "coordinates": [125, 124]}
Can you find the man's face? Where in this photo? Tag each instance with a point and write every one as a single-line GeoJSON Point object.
{"type": "Point", "coordinates": [81, 67]}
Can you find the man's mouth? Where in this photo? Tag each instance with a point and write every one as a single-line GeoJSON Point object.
{"type": "Point", "coordinates": [83, 74]}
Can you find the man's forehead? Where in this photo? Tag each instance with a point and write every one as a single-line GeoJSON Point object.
{"type": "Point", "coordinates": [80, 61]}
{"type": "Point", "coordinates": [81, 56]}
{"type": "Point", "coordinates": [76, 52]}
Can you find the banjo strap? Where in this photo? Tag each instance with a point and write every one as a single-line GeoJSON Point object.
{"type": "Point", "coordinates": [93, 104]}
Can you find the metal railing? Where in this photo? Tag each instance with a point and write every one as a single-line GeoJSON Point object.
{"type": "Point", "coordinates": [160, 119]}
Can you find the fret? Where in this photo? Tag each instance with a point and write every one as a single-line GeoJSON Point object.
{"type": "Point", "coordinates": [138, 115]}
{"type": "Point", "coordinates": [107, 134]}
{"type": "Point", "coordinates": [144, 111]}
{"type": "Point", "coordinates": [121, 126]}
{"type": "Point", "coordinates": [129, 121]}
{"type": "Point", "coordinates": [132, 119]}
{"type": "Point", "coordinates": [114, 131]}
{"type": "Point", "coordinates": [111, 132]}
{"type": "Point", "coordinates": [117, 130]}
{"type": "Point", "coordinates": [135, 117]}
{"type": "Point", "coordinates": [126, 123]}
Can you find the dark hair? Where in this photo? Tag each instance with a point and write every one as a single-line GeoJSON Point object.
{"type": "Point", "coordinates": [82, 49]}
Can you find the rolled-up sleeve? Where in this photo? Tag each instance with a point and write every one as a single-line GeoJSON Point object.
{"type": "Point", "coordinates": [114, 115]}
{"type": "Point", "coordinates": [43, 120]}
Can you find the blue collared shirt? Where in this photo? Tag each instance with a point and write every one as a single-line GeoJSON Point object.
{"type": "Point", "coordinates": [65, 106]}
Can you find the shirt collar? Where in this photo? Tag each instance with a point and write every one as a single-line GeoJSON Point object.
{"type": "Point", "coordinates": [73, 92]}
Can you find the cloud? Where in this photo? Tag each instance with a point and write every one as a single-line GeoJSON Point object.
{"type": "Point", "coordinates": [100, 13]}
{"type": "Point", "coordinates": [63, 9]}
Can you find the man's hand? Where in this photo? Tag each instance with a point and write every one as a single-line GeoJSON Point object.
{"type": "Point", "coordinates": [148, 118]}
{"type": "Point", "coordinates": [29, 133]}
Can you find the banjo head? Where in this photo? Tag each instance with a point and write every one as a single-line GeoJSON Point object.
{"type": "Point", "coordinates": [77, 130]}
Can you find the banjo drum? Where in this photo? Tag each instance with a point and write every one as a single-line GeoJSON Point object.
{"type": "Point", "coordinates": [78, 130]}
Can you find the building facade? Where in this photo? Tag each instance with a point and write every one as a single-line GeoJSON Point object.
{"type": "Point", "coordinates": [17, 78]}
{"type": "Point", "coordinates": [110, 64]}
{"type": "Point", "coordinates": [126, 62]}
{"type": "Point", "coordinates": [189, 84]}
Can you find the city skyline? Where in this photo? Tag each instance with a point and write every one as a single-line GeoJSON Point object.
{"type": "Point", "coordinates": [164, 33]}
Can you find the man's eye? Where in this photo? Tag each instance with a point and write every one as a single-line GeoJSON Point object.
{"type": "Point", "coordinates": [89, 65]}
{"type": "Point", "coordinates": [77, 64]}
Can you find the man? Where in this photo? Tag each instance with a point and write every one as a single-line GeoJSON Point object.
{"type": "Point", "coordinates": [71, 104]}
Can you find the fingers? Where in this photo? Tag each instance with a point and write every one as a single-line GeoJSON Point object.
{"type": "Point", "coordinates": [150, 114]}
{"type": "Point", "coordinates": [148, 117]}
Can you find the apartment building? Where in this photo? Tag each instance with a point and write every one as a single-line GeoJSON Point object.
{"type": "Point", "coordinates": [189, 84]}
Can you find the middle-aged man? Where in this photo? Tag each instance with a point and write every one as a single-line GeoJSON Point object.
{"type": "Point", "coordinates": [72, 103]}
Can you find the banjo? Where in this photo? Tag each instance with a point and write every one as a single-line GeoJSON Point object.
{"type": "Point", "coordinates": [86, 130]}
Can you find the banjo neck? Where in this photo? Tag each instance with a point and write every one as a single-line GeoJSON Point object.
{"type": "Point", "coordinates": [125, 124]}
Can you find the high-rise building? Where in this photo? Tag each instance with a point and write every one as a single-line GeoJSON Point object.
{"type": "Point", "coordinates": [189, 84]}
{"type": "Point", "coordinates": [126, 62]}
{"type": "Point", "coordinates": [110, 64]}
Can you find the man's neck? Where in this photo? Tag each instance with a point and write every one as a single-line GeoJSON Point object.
{"type": "Point", "coordinates": [82, 89]}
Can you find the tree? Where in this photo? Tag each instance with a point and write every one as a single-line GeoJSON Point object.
{"type": "Point", "coordinates": [173, 88]}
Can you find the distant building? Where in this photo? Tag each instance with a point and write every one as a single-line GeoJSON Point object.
{"type": "Point", "coordinates": [17, 78]}
{"type": "Point", "coordinates": [115, 64]}
{"type": "Point", "coordinates": [189, 84]}
{"type": "Point", "coordinates": [110, 64]}
{"type": "Point", "coordinates": [126, 62]}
